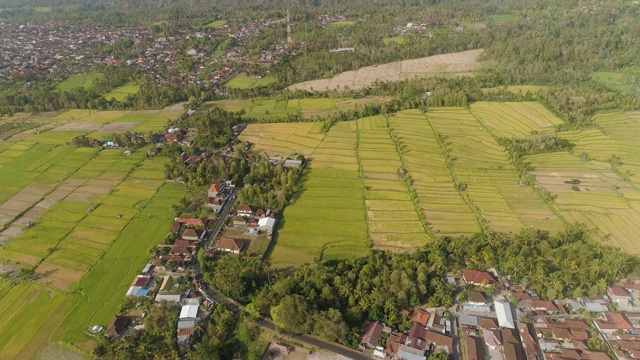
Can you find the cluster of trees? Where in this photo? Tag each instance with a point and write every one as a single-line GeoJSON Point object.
{"type": "Point", "coordinates": [333, 298]}
{"type": "Point", "coordinates": [157, 340]}
{"type": "Point", "coordinates": [226, 335]}
{"type": "Point", "coordinates": [268, 185]}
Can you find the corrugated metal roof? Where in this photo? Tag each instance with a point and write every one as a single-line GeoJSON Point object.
{"type": "Point", "coordinates": [505, 314]}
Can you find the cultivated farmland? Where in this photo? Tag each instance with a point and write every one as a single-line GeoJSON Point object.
{"type": "Point", "coordinates": [76, 81]}
{"type": "Point", "coordinates": [394, 220]}
{"type": "Point", "coordinates": [249, 82]}
{"type": "Point", "coordinates": [444, 208]}
{"type": "Point", "coordinates": [412, 176]}
{"type": "Point", "coordinates": [328, 220]}
{"type": "Point", "coordinates": [81, 218]}
{"type": "Point", "coordinates": [307, 108]}
{"type": "Point", "coordinates": [597, 183]}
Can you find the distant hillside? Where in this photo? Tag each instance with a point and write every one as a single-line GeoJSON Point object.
{"type": "Point", "coordinates": [456, 64]}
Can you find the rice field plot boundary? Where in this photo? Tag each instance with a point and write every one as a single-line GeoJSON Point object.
{"type": "Point", "coordinates": [328, 220]}
{"type": "Point", "coordinates": [483, 169]}
{"type": "Point", "coordinates": [445, 210]}
{"type": "Point", "coordinates": [381, 171]}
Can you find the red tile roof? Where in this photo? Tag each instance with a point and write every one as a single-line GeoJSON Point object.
{"type": "Point", "coordinates": [421, 317]}
{"type": "Point", "coordinates": [229, 244]}
{"type": "Point", "coordinates": [193, 221]}
{"type": "Point", "coordinates": [440, 340]}
{"type": "Point", "coordinates": [478, 277]}
{"type": "Point", "coordinates": [141, 281]}
{"type": "Point", "coordinates": [216, 187]}
{"type": "Point", "coordinates": [475, 349]}
{"type": "Point", "coordinates": [371, 333]}
{"type": "Point", "coordinates": [618, 291]}
{"type": "Point", "coordinates": [186, 331]}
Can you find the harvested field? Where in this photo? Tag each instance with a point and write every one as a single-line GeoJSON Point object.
{"type": "Point", "coordinates": [453, 64]}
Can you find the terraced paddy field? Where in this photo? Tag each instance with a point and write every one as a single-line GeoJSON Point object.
{"type": "Point", "coordinates": [588, 188]}
{"type": "Point", "coordinates": [492, 184]}
{"type": "Point", "coordinates": [442, 173]}
{"type": "Point", "coordinates": [83, 220]}
{"type": "Point", "coordinates": [394, 220]}
{"type": "Point", "coordinates": [516, 120]}
{"type": "Point", "coordinates": [307, 108]}
{"type": "Point", "coordinates": [443, 206]}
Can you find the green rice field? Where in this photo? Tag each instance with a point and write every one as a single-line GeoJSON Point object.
{"type": "Point", "coordinates": [455, 179]}
{"type": "Point", "coordinates": [94, 213]}
{"type": "Point", "coordinates": [215, 24]}
{"type": "Point", "coordinates": [328, 220]}
{"type": "Point", "coordinates": [502, 18]}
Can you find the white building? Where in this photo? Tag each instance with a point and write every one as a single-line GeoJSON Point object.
{"type": "Point", "coordinates": [505, 315]}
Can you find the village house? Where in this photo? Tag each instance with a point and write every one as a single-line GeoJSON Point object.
{"type": "Point", "coordinates": [505, 314]}
{"type": "Point", "coordinates": [139, 286]}
{"type": "Point", "coordinates": [116, 327]}
{"type": "Point", "coordinates": [370, 334]}
{"type": "Point", "coordinates": [192, 235]}
{"type": "Point", "coordinates": [245, 210]}
{"type": "Point", "coordinates": [480, 278]}
{"type": "Point", "coordinates": [474, 348]}
{"type": "Point", "coordinates": [233, 246]}
{"type": "Point", "coordinates": [613, 321]}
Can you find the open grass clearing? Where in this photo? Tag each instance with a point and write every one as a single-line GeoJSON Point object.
{"type": "Point", "coordinates": [215, 24]}
{"type": "Point", "coordinates": [121, 93]}
{"type": "Point", "coordinates": [502, 18]}
{"type": "Point", "coordinates": [249, 82]}
{"type": "Point", "coordinates": [79, 81]}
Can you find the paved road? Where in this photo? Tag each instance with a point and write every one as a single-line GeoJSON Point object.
{"type": "Point", "coordinates": [213, 232]}
{"type": "Point", "coordinates": [319, 343]}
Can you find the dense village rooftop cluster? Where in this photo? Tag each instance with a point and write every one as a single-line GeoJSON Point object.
{"type": "Point", "coordinates": [496, 320]}
{"type": "Point", "coordinates": [39, 49]}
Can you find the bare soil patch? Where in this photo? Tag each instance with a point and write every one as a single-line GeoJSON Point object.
{"type": "Point", "coordinates": [58, 276]}
{"type": "Point", "coordinates": [453, 64]}
{"type": "Point", "coordinates": [21, 224]}
{"type": "Point", "coordinates": [118, 127]}
{"type": "Point", "coordinates": [75, 126]}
